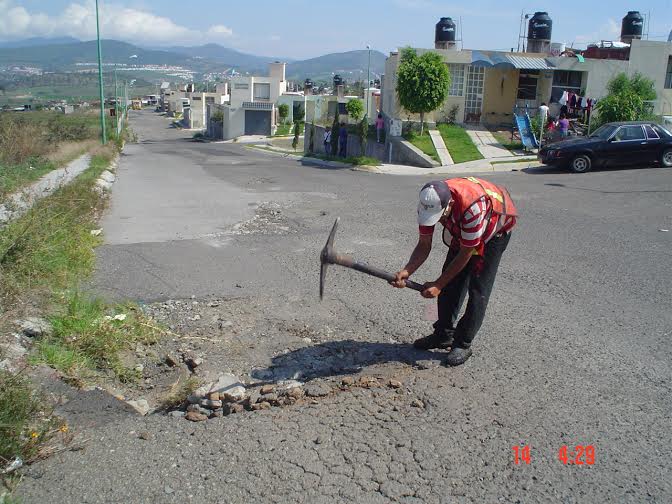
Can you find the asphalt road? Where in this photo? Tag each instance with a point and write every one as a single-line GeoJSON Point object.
{"type": "Point", "coordinates": [574, 350]}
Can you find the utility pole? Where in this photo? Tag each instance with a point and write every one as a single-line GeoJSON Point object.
{"type": "Point", "coordinates": [100, 81]}
{"type": "Point", "coordinates": [116, 101]}
{"type": "Point", "coordinates": [366, 89]}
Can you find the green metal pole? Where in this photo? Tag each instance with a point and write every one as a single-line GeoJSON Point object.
{"type": "Point", "coordinates": [116, 101]}
{"type": "Point", "coordinates": [100, 82]}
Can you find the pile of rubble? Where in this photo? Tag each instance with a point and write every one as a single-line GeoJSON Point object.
{"type": "Point", "coordinates": [228, 395]}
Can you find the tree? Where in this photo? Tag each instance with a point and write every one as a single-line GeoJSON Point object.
{"type": "Point", "coordinates": [422, 82]}
{"type": "Point", "coordinates": [355, 109]}
{"type": "Point", "coordinates": [628, 99]}
{"type": "Point", "coordinates": [283, 111]}
{"type": "Point", "coordinates": [362, 133]}
{"type": "Point", "coordinates": [299, 112]}
{"type": "Point", "coordinates": [297, 134]}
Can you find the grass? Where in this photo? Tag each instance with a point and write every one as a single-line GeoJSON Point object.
{"type": "Point", "coordinates": [25, 421]}
{"type": "Point", "coordinates": [48, 252]}
{"type": "Point", "coordinates": [424, 143]}
{"type": "Point", "coordinates": [15, 176]}
{"type": "Point", "coordinates": [353, 160]}
{"type": "Point", "coordinates": [89, 335]}
{"type": "Point", "coordinates": [51, 246]}
{"type": "Point", "coordinates": [458, 143]}
{"type": "Point", "coordinates": [287, 129]}
{"type": "Point", "coordinates": [506, 141]}
{"type": "Point", "coordinates": [179, 391]}
{"type": "Point", "coordinates": [35, 143]}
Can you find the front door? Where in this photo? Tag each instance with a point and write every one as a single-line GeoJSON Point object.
{"type": "Point", "coordinates": [473, 103]}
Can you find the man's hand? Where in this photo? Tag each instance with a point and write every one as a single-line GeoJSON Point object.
{"type": "Point", "coordinates": [431, 290]}
{"type": "Point", "coordinates": [400, 279]}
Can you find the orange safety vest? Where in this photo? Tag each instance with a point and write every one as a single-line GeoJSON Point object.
{"type": "Point", "coordinates": [467, 191]}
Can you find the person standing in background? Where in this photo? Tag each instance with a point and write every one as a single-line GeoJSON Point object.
{"type": "Point", "coordinates": [380, 126]}
{"type": "Point", "coordinates": [327, 140]}
{"type": "Point", "coordinates": [563, 125]}
{"type": "Point", "coordinates": [543, 113]}
{"type": "Point", "coordinates": [343, 140]}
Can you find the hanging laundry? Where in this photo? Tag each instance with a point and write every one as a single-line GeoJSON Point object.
{"type": "Point", "coordinates": [564, 98]}
{"type": "Point", "coordinates": [584, 102]}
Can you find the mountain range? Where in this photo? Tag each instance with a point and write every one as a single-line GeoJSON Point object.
{"type": "Point", "coordinates": [63, 54]}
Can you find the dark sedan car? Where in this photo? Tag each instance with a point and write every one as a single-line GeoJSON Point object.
{"type": "Point", "coordinates": [612, 144]}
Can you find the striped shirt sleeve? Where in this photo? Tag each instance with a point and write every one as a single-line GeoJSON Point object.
{"type": "Point", "coordinates": [474, 224]}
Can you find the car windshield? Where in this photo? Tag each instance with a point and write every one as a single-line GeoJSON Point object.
{"type": "Point", "coordinates": [603, 132]}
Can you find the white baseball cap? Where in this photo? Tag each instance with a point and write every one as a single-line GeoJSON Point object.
{"type": "Point", "coordinates": [434, 198]}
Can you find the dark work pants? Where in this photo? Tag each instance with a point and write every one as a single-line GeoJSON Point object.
{"type": "Point", "coordinates": [477, 277]}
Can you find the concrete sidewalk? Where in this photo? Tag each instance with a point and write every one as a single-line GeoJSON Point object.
{"type": "Point", "coordinates": [478, 166]}
{"type": "Point", "coordinates": [486, 144]}
{"type": "Point", "coordinates": [441, 148]}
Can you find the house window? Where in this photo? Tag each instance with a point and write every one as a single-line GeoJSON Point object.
{"type": "Point", "coordinates": [527, 84]}
{"type": "Point", "coordinates": [262, 91]}
{"type": "Point", "coordinates": [668, 74]}
{"type": "Point", "coordinates": [565, 80]}
{"type": "Point", "coordinates": [456, 79]}
{"type": "Point", "coordinates": [209, 99]}
{"type": "Point", "coordinates": [241, 86]}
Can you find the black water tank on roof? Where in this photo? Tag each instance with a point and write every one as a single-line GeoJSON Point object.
{"type": "Point", "coordinates": [632, 26]}
{"type": "Point", "coordinates": [540, 27]}
{"type": "Point", "coordinates": [308, 84]}
{"type": "Point", "coordinates": [338, 80]}
{"type": "Point", "coordinates": [445, 30]}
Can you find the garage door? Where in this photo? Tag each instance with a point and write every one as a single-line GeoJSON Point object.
{"type": "Point", "coordinates": [258, 122]}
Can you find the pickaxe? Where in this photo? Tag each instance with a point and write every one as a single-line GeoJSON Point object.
{"type": "Point", "coordinates": [330, 256]}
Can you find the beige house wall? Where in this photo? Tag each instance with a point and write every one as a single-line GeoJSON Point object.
{"type": "Point", "coordinates": [499, 95]}
{"type": "Point", "coordinates": [389, 101]}
{"type": "Point", "coordinates": [650, 59]}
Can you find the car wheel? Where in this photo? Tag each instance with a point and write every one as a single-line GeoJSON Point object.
{"type": "Point", "coordinates": [580, 163]}
{"type": "Point", "coordinates": [666, 158]}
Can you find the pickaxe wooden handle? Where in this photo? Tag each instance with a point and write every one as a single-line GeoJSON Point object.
{"type": "Point", "coordinates": [329, 256]}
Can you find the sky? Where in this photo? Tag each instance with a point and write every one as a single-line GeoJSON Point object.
{"type": "Point", "coordinates": [299, 29]}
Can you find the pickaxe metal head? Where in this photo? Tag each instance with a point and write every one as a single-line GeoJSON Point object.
{"type": "Point", "coordinates": [327, 256]}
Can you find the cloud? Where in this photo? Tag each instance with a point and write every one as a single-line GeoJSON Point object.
{"type": "Point", "coordinates": [611, 30]}
{"type": "Point", "coordinates": [117, 21]}
{"type": "Point", "coordinates": [220, 31]}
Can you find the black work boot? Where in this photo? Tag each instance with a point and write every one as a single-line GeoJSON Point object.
{"type": "Point", "coordinates": [440, 338]}
{"type": "Point", "coordinates": [457, 356]}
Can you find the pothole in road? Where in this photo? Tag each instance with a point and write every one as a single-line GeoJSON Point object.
{"type": "Point", "coordinates": [269, 218]}
{"type": "Point", "coordinates": [270, 362]}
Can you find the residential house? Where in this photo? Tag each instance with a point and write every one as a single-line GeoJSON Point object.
{"type": "Point", "coordinates": [488, 86]}
{"type": "Point", "coordinates": [251, 109]}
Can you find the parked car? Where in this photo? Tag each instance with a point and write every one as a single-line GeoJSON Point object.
{"type": "Point", "coordinates": [612, 144]}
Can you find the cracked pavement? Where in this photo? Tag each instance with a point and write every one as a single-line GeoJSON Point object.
{"type": "Point", "coordinates": [574, 349]}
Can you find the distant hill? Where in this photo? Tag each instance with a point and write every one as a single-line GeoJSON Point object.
{"type": "Point", "coordinates": [347, 64]}
{"type": "Point", "coordinates": [60, 57]}
{"type": "Point", "coordinates": [221, 54]}
{"type": "Point", "coordinates": [38, 41]}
